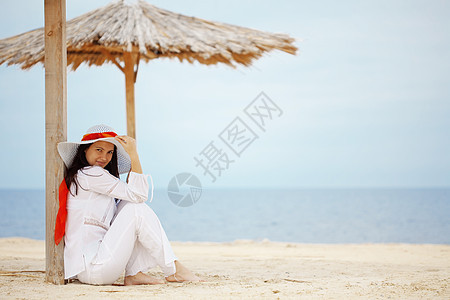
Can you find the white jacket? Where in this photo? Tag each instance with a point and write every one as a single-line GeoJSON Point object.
{"type": "Point", "coordinates": [90, 212]}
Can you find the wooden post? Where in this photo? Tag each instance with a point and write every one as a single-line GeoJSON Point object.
{"type": "Point", "coordinates": [129, 88]}
{"type": "Point", "coordinates": [55, 129]}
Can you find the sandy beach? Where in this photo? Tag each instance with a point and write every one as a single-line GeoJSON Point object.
{"type": "Point", "coordinates": [249, 269]}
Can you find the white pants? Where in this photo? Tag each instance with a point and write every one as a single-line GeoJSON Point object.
{"type": "Point", "coordinates": [135, 242]}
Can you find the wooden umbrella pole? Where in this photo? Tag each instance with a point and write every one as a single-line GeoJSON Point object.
{"type": "Point", "coordinates": [55, 129]}
{"type": "Point", "coordinates": [129, 88]}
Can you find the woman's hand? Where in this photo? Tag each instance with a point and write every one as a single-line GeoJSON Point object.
{"type": "Point", "coordinates": [129, 144]}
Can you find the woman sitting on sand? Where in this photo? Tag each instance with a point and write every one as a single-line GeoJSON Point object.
{"type": "Point", "coordinates": [107, 225]}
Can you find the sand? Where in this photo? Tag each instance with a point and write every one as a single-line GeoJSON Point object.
{"type": "Point", "coordinates": [254, 270]}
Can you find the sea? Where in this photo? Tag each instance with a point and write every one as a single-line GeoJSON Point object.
{"type": "Point", "coordinates": [414, 216]}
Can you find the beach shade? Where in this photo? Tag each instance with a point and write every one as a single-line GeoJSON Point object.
{"type": "Point", "coordinates": [126, 33]}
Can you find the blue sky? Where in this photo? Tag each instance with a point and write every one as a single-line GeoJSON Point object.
{"type": "Point", "coordinates": [366, 102]}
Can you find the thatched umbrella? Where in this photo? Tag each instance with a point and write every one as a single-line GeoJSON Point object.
{"type": "Point", "coordinates": [124, 34]}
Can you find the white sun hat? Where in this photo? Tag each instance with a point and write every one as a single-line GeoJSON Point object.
{"type": "Point", "coordinates": [68, 150]}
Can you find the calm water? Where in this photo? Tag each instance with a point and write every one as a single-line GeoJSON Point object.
{"type": "Point", "coordinates": [304, 216]}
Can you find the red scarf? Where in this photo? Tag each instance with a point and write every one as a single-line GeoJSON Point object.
{"type": "Point", "coordinates": [61, 217]}
{"type": "Point", "coordinates": [60, 227]}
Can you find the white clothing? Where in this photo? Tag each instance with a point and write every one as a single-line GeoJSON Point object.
{"type": "Point", "coordinates": [135, 242]}
{"type": "Point", "coordinates": [98, 248]}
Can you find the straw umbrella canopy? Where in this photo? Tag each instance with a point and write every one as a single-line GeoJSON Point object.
{"type": "Point", "coordinates": [126, 33]}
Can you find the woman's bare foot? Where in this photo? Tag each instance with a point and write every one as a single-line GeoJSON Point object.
{"type": "Point", "coordinates": [141, 278]}
{"type": "Point", "coordinates": [182, 274]}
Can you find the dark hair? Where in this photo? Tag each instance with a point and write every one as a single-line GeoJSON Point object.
{"type": "Point", "coordinates": [80, 161]}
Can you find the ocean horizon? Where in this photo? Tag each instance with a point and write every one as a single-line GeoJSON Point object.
{"type": "Point", "coordinates": [382, 215]}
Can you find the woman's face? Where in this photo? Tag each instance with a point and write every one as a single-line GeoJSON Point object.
{"type": "Point", "coordinates": [99, 153]}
